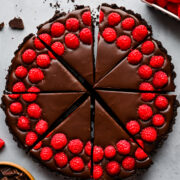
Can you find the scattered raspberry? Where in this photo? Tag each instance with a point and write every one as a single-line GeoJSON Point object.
{"type": "Point", "coordinates": [43, 60]}
{"type": "Point", "coordinates": [110, 152]}
{"type": "Point", "coordinates": [145, 86]}
{"type": "Point", "coordinates": [140, 154]}
{"type": "Point", "coordinates": [58, 48]}
{"type": "Point", "coordinates": [123, 147]}
{"type": "Point", "coordinates": [157, 61]}
{"type": "Point", "coordinates": [46, 153]}
{"type": "Point", "coordinates": [86, 18]}
{"type": "Point", "coordinates": [38, 145]}
{"type": "Point", "coordinates": [33, 89]}
{"type": "Point", "coordinates": [123, 42]}
{"type": "Point", "coordinates": [2, 143]}
{"type": "Point", "coordinates": [145, 112]}
{"type": "Point", "coordinates": [113, 168]}
{"type": "Point", "coordinates": [97, 172]}
{"type": "Point", "coordinates": [98, 154]}
{"type": "Point", "coordinates": [35, 75]}
{"type": "Point", "coordinates": [23, 123]}
{"type": "Point", "coordinates": [161, 102]}
{"type": "Point", "coordinates": [161, 3]}
{"type": "Point", "coordinates": [46, 38]}
{"type": "Point", "coordinates": [34, 111]}
{"type": "Point", "coordinates": [158, 120]}
{"type": "Point", "coordinates": [29, 97]}
{"type": "Point", "coordinates": [72, 24]}
{"type": "Point", "coordinates": [128, 23]}
{"type": "Point", "coordinates": [149, 134]}
{"type": "Point", "coordinates": [75, 146]}
{"type": "Point", "coordinates": [134, 57]}
{"type": "Point", "coordinates": [41, 127]}
{"type": "Point", "coordinates": [86, 36]}
{"type": "Point", "coordinates": [16, 107]}
{"type": "Point", "coordinates": [76, 164]}
{"type": "Point", "coordinates": [140, 32]}
{"type": "Point", "coordinates": [31, 138]}
{"type": "Point", "coordinates": [21, 72]}
{"type": "Point", "coordinates": [57, 29]}
{"type": "Point", "coordinates": [72, 41]}
{"type": "Point", "coordinates": [13, 96]}
{"type": "Point", "coordinates": [19, 87]}
{"type": "Point", "coordinates": [172, 7]}
{"type": "Point", "coordinates": [114, 19]}
{"type": "Point", "coordinates": [87, 148]}
{"type": "Point", "coordinates": [128, 163]}
{"type": "Point", "coordinates": [140, 142]}
{"type": "Point", "coordinates": [109, 34]}
{"type": "Point", "coordinates": [28, 56]}
{"type": "Point", "coordinates": [160, 79]}
{"type": "Point", "coordinates": [133, 127]}
{"type": "Point", "coordinates": [58, 141]}
{"type": "Point", "coordinates": [147, 47]}
{"type": "Point", "coordinates": [148, 96]}
{"type": "Point", "coordinates": [145, 72]}
{"type": "Point", "coordinates": [101, 16]}
{"type": "Point", "coordinates": [61, 159]}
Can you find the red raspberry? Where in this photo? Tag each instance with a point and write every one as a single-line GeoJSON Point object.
{"type": "Point", "coordinates": [34, 89]}
{"type": "Point", "coordinates": [86, 36]}
{"type": "Point", "coordinates": [174, 1]}
{"type": "Point", "coordinates": [110, 152]}
{"type": "Point", "coordinates": [101, 16]}
{"type": "Point", "coordinates": [133, 127]}
{"type": "Point", "coordinates": [46, 153]}
{"type": "Point", "coordinates": [149, 134]}
{"type": "Point", "coordinates": [72, 41]}
{"type": "Point", "coordinates": [140, 32]}
{"type": "Point", "coordinates": [148, 96]}
{"type": "Point", "coordinates": [13, 96]}
{"type": "Point", "coordinates": [38, 145]}
{"type": "Point", "coordinates": [35, 75]}
{"type": "Point", "coordinates": [72, 24]}
{"type": "Point", "coordinates": [161, 102]}
{"type": "Point", "coordinates": [16, 107]}
{"type": "Point", "coordinates": [89, 164]}
{"type": "Point", "coordinates": [28, 56]}
{"type": "Point", "coordinates": [98, 154]}
{"type": "Point", "coordinates": [29, 97]}
{"type": "Point", "coordinates": [157, 61]}
{"type": "Point", "coordinates": [61, 159]}
{"type": "Point", "coordinates": [160, 79]}
{"type": "Point", "coordinates": [97, 172]}
{"type": "Point", "coordinates": [87, 148]}
{"type": "Point", "coordinates": [128, 23]}
{"type": "Point", "coordinates": [150, 1]}
{"type": "Point", "coordinates": [145, 72]}
{"type": "Point", "coordinates": [123, 42]}
{"type": "Point", "coordinates": [57, 29]}
{"type": "Point", "coordinates": [76, 164]}
{"type": "Point", "coordinates": [21, 72]}
{"type": "Point", "coordinates": [161, 3]}
{"type": "Point", "coordinates": [58, 141]}
{"type": "Point", "coordinates": [172, 7]}
{"type": "Point", "coordinates": [113, 168]}
{"type": "Point", "coordinates": [49, 134]}
{"type": "Point", "coordinates": [140, 154]}
{"type": "Point", "coordinates": [46, 38]}
{"type": "Point", "coordinates": [86, 18]}
{"type": "Point", "coordinates": [31, 138]}
{"type": "Point", "coordinates": [2, 143]}
{"type": "Point", "coordinates": [19, 87]}
{"type": "Point", "coordinates": [134, 57]}
{"type": "Point", "coordinates": [58, 48]}
{"type": "Point", "coordinates": [23, 123]}
{"type": "Point", "coordinates": [34, 111]}
{"type": "Point", "coordinates": [43, 60]}
{"type": "Point", "coordinates": [109, 34]}
{"type": "Point", "coordinates": [147, 47]}
{"type": "Point", "coordinates": [140, 142]}
{"type": "Point", "coordinates": [51, 55]}
{"type": "Point", "coordinates": [145, 86]}
{"type": "Point", "coordinates": [179, 11]}
{"type": "Point", "coordinates": [114, 19]}
{"type": "Point", "coordinates": [158, 120]}
{"type": "Point", "coordinates": [75, 146]}
{"type": "Point", "coordinates": [41, 127]}
{"type": "Point", "coordinates": [123, 147]}
{"type": "Point", "coordinates": [128, 163]}
{"type": "Point", "coordinates": [145, 112]}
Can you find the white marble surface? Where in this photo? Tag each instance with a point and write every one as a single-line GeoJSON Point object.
{"type": "Point", "coordinates": [34, 12]}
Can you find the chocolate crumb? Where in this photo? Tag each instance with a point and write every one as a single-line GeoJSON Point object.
{"type": "Point", "coordinates": [1, 26]}
{"type": "Point", "coordinates": [16, 23]}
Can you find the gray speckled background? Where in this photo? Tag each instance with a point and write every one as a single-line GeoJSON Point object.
{"type": "Point", "coordinates": [167, 160]}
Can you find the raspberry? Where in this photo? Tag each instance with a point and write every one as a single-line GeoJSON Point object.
{"type": "Point", "coordinates": [61, 159]}
{"type": "Point", "coordinates": [101, 16]}
{"type": "Point", "coordinates": [134, 57]}
{"type": "Point", "coordinates": [149, 134]}
{"type": "Point", "coordinates": [34, 111]}
{"type": "Point", "coordinates": [160, 79]}
{"type": "Point", "coordinates": [140, 32]}
{"type": "Point", "coordinates": [29, 97]}
{"type": "Point", "coordinates": [46, 153]}
{"type": "Point", "coordinates": [123, 147]}
{"type": "Point", "coordinates": [51, 55]}
{"type": "Point", "coordinates": [161, 102]}
{"type": "Point", "coordinates": [58, 48]}
{"type": "Point", "coordinates": [19, 87]}
{"type": "Point", "coordinates": [38, 145]}
{"type": "Point", "coordinates": [75, 146]}
{"type": "Point", "coordinates": [145, 72]}
{"type": "Point", "coordinates": [133, 127]}
{"type": "Point", "coordinates": [174, 1]}
{"type": "Point", "coordinates": [35, 75]}
{"type": "Point", "coordinates": [147, 47]}
{"type": "Point", "coordinates": [46, 38]}
{"type": "Point", "coordinates": [140, 154]}
{"type": "Point", "coordinates": [38, 44]}
{"type": "Point", "coordinates": [148, 96]}
{"type": "Point", "coordinates": [23, 123]}
{"type": "Point", "coordinates": [162, 3]}
{"type": "Point", "coordinates": [113, 168]}
{"type": "Point", "coordinates": [128, 23]}
{"type": "Point", "coordinates": [123, 42]}
{"type": "Point", "coordinates": [33, 89]}
{"type": "Point", "coordinates": [2, 143]}
{"type": "Point", "coordinates": [179, 11]}
{"type": "Point", "coordinates": [76, 164]}
{"type": "Point", "coordinates": [128, 163]}
{"type": "Point", "coordinates": [172, 7]}
{"type": "Point", "coordinates": [41, 127]}
{"type": "Point", "coordinates": [158, 120]}
{"type": "Point", "coordinates": [58, 141]}
{"type": "Point", "coordinates": [57, 29]}
{"type": "Point", "coordinates": [13, 96]}
{"type": "Point", "coordinates": [98, 154]}
{"type": "Point", "coordinates": [31, 138]}
{"type": "Point", "coordinates": [72, 41]}
{"type": "Point", "coordinates": [87, 148]}
{"type": "Point", "coordinates": [145, 112]}
{"type": "Point", "coordinates": [16, 107]}
{"type": "Point", "coordinates": [21, 72]}
{"type": "Point", "coordinates": [43, 60]}
{"type": "Point", "coordinates": [86, 18]}
{"type": "Point", "coordinates": [145, 86]}
{"type": "Point", "coordinates": [150, 1]}
{"type": "Point", "coordinates": [114, 19]}
{"type": "Point", "coordinates": [28, 56]}
{"type": "Point", "coordinates": [157, 61]}
{"type": "Point", "coordinates": [109, 34]}
{"type": "Point", "coordinates": [72, 24]}
{"type": "Point", "coordinates": [140, 142]}
{"type": "Point", "coordinates": [89, 164]}
{"type": "Point", "coordinates": [97, 172]}
{"type": "Point", "coordinates": [110, 152]}
{"type": "Point", "coordinates": [86, 36]}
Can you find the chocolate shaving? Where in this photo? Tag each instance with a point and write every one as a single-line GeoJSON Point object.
{"type": "Point", "coordinates": [16, 23]}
